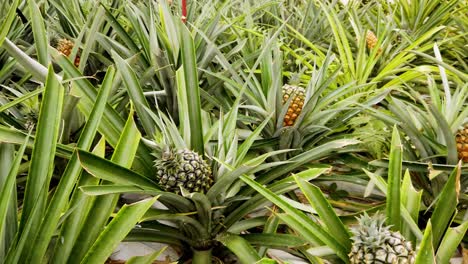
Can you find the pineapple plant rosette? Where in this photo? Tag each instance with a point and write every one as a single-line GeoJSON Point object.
{"type": "Point", "coordinates": [197, 165]}
{"type": "Point", "coordinates": [396, 236]}
{"type": "Point", "coordinates": [198, 194]}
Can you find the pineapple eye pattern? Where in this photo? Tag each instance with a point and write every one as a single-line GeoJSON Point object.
{"type": "Point", "coordinates": [65, 47]}
{"type": "Point", "coordinates": [183, 168]}
{"type": "Point", "coordinates": [462, 143]}
{"type": "Point", "coordinates": [296, 104]}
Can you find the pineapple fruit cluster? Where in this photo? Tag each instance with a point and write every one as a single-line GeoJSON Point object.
{"type": "Point", "coordinates": [371, 40]}
{"type": "Point", "coordinates": [297, 103]}
{"type": "Point", "coordinates": [183, 168]}
{"type": "Point", "coordinates": [462, 143]}
{"type": "Point", "coordinates": [65, 47]}
{"type": "Point", "coordinates": [373, 242]}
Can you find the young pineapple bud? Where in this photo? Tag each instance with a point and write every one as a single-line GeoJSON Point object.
{"type": "Point", "coordinates": [183, 168]}
{"type": "Point", "coordinates": [371, 40]}
{"type": "Point", "coordinates": [296, 103]}
{"type": "Point", "coordinates": [65, 47]}
{"type": "Point", "coordinates": [373, 242]}
{"type": "Point", "coordinates": [462, 143]}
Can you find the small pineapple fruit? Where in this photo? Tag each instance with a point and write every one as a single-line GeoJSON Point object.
{"type": "Point", "coordinates": [373, 242]}
{"type": "Point", "coordinates": [31, 119]}
{"type": "Point", "coordinates": [65, 47]}
{"type": "Point", "coordinates": [183, 168]}
{"type": "Point", "coordinates": [462, 143]}
{"type": "Point", "coordinates": [297, 103]}
{"type": "Point", "coordinates": [371, 40]}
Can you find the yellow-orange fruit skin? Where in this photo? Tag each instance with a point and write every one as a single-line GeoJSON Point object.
{"type": "Point", "coordinates": [65, 46]}
{"type": "Point", "coordinates": [371, 40]}
{"type": "Point", "coordinates": [296, 103]}
{"type": "Point", "coordinates": [462, 143]}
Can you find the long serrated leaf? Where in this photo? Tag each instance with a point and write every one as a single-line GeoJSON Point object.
{"type": "Point", "coordinates": [411, 200]}
{"type": "Point", "coordinates": [104, 206]}
{"type": "Point", "coordinates": [452, 155]}
{"type": "Point", "coordinates": [245, 146]}
{"type": "Point", "coordinates": [111, 124]}
{"type": "Point", "coordinates": [239, 246]}
{"type": "Point", "coordinates": [8, 20]}
{"type": "Point", "coordinates": [270, 227]}
{"type": "Point", "coordinates": [319, 231]}
{"type": "Point", "coordinates": [450, 242]}
{"type": "Point", "coordinates": [135, 92]}
{"type": "Point", "coordinates": [393, 212]}
{"type": "Point", "coordinates": [39, 32]}
{"type": "Point", "coordinates": [8, 197]}
{"type": "Point", "coordinates": [303, 158]}
{"type": "Point", "coordinates": [425, 253]}
{"type": "Point", "coordinates": [17, 250]}
{"type": "Point", "coordinates": [278, 187]}
{"type": "Point", "coordinates": [104, 169]}
{"type": "Point", "coordinates": [203, 206]}
{"type": "Point", "coordinates": [112, 189]}
{"type": "Point", "coordinates": [302, 228]}
{"type": "Point", "coordinates": [275, 240]}
{"type": "Point", "coordinates": [38, 70]}
{"type": "Point", "coordinates": [11, 135]}
{"type": "Point", "coordinates": [382, 185]}
{"type": "Point", "coordinates": [79, 207]}
{"type": "Point", "coordinates": [43, 152]}
{"type": "Point", "coordinates": [21, 99]}
{"type": "Point", "coordinates": [445, 206]}
{"type": "Point", "coordinates": [189, 64]}
{"type": "Point", "coordinates": [324, 209]}
{"type": "Point", "coordinates": [116, 231]}
{"type": "Point", "coordinates": [72, 171]}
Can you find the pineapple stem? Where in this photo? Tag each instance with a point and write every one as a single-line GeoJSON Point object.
{"type": "Point", "coordinates": [201, 256]}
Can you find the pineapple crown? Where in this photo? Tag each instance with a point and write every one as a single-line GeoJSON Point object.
{"type": "Point", "coordinates": [374, 242]}
{"type": "Point", "coordinates": [295, 79]}
{"type": "Point", "coordinates": [168, 158]}
{"type": "Point", "coordinates": [371, 230]}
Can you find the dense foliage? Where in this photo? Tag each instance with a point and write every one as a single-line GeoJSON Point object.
{"type": "Point", "coordinates": [244, 126]}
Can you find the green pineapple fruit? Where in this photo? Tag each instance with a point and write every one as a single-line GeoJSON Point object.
{"type": "Point", "coordinates": [182, 168]}
{"type": "Point", "coordinates": [32, 116]}
{"type": "Point", "coordinates": [373, 242]}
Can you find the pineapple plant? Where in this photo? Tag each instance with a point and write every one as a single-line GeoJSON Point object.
{"type": "Point", "coordinates": [65, 47]}
{"type": "Point", "coordinates": [462, 143]}
{"type": "Point", "coordinates": [373, 242]}
{"type": "Point", "coordinates": [182, 168]}
{"type": "Point", "coordinates": [296, 103]}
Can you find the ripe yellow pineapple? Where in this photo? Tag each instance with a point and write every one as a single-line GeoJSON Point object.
{"type": "Point", "coordinates": [65, 46]}
{"type": "Point", "coordinates": [462, 143]}
{"type": "Point", "coordinates": [297, 103]}
{"type": "Point", "coordinates": [371, 40]}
